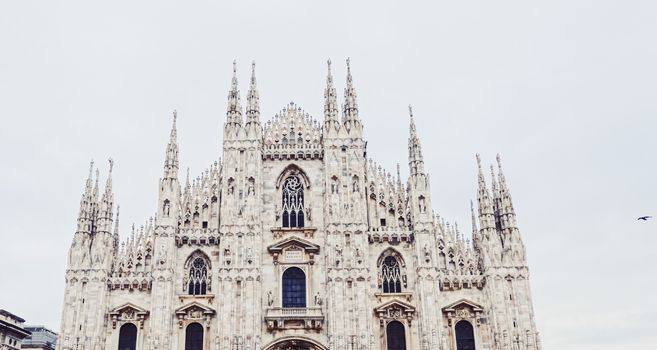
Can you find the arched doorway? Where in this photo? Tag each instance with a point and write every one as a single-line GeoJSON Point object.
{"type": "Point", "coordinates": [464, 336]}
{"type": "Point", "coordinates": [194, 337]}
{"type": "Point", "coordinates": [396, 336]}
{"type": "Point", "coordinates": [128, 337]}
{"type": "Point", "coordinates": [294, 343]}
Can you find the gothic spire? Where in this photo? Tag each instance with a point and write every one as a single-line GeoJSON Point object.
{"type": "Point", "coordinates": [330, 100]}
{"type": "Point", "coordinates": [350, 109]}
{"type": "Point", "coordinates": [506, 204]}
{"type": "Point", "coordinates": [86, 200]}
{"type": "Point", "coordinates": [253, 107]}
{"type": "Point", "coordinates": [116, 230]}
{"type": "Point", "coordinates": [171, 161]}
{"type": "Point", "coordinates": [415, 159]}
{"type": "Point", "coordinates": [234, 111]}
{"type": "Point", "coordinates": [486, 216]}
{"type": "Point", "coordinates": [475, 230]}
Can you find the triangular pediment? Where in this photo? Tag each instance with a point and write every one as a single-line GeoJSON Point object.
{"type": "Point", "coordinates": [395, 304]}
{"type": "Point", "coordinates": [127, 308]}
{"type": "Point", "coordinates": [194, 307]}
{"type": "Point", "coordinates": [293, 242]}
{"type": "Point", "coordinates": [463, 303]}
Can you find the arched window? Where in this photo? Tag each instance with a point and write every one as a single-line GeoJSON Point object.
{"type": "Point", "coordinates": [197, 280]}
{"type": "Point", "coordinates": [396, 336]}
{"type": "Point", "coordinates": [294, 288]}
{"type": "Point", "coordinates": [391, 275]}
{"type": "Point", "coordinates": [194, 337]}
{"type": "Point", "coordinates": [464, 336]}
{"type": "Point", "coordinates": [293, 212]}
{"type": "Point", "coordinates": [128, 337]}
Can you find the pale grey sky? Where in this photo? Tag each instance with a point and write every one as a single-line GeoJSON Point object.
{"type": "Point", "coordinates": [564, 90]}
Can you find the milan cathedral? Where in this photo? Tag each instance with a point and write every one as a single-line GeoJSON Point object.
{"type": "Point", "coordinates": [294, 239]}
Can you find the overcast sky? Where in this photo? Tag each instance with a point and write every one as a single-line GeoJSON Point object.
{"type": "Point", "coordinates": [564, 90]}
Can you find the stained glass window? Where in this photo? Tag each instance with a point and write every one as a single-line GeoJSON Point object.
{"type": "Point", "coordinates": [198, 277]}
{"type": "Point", "coordinates": [391, 275]}
{"type": "Point", "coordinates": [293, 211]}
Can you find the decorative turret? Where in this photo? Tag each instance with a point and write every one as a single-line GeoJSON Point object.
{"type": "Point", "coordinates": [253, 105]}
{"type": "Point", "coordinates": [169, 184]}
{"type": "Point", "coordinates": [234, 110]}
{"type": "Point", "coordinates": [350, 107]}
{"type": "Point", "coordinates": [419, 186]}
{"type": "Point", "coordinates": [506, 211]}
{"type": "Point", "coordinates": [106, 205]}
{"type": "Point", "coordinates": [415, 159]}
{"type": "Point", "coordinates": [116, 238]}
{"type": "Point", "coordinates": [171, 160]}
{"type": "Point", "coordinates": [331, 122]}
{"type": "Point", "coordinates": [486, 213]}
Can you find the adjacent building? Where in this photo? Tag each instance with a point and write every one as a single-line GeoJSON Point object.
{"type": "Point", "coordinates": [12, 332]}
{"type": "Point", "coordinates": [40, 338]}
{"type": "Point", "coordinates": [294, 239]}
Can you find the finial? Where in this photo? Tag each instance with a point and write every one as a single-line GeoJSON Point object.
{"type": "Point", "coordinates": [478, 161]}
{"type": "Point", "coordinates": [187, 175]}
{"type": "Point", "coordinates": [328, 62]}
{"type": "Point", "coordinates": [349, 66]}
{"type": "Point", "coordinates": [234, 67]}
{"type": "Point", "coordinates": [398, 172]}
{"type": "Point", "coordinates": [111, 165]}
{"type": "Point", "coordinates": [253, 67]}
{"type": "Point", "coordinates": [499, 162]}
{"type": "Point", "coordinates": [410, 111]}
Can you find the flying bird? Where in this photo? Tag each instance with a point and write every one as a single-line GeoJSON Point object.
{"type": "Point", "coordinates": [644, 218]}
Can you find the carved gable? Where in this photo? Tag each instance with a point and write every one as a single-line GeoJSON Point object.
{"type": "Point", "coordinates": [395, 310]}
{"type": "Point", "coordinates": [293, 250]}
{"type": "Point", "coordinates": [194, 311]}
{"type": "Point", "coordinates": [463, 310]}
{"type": "Point", "coordinates": [128, 312]}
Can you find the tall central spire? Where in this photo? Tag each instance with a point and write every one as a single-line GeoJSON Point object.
{"type": "Point", "coordinates": [234, 111]}
{"type": "Point", "coordinates": [330, 101]}
{"type": "Point", "coordinates": [350, 109]}
{"type": "Point", "coordinates": [253, 99]}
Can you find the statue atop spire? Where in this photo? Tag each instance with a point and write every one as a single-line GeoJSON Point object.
{"type": "Point", "coordinates": [253, 99]}
{"type": "Point", "coordinates": [350, 109]}
{"type": "Point", "coordinates": [330, 101]}
{"type": "Point", "coordinates": [415, 159]}
{"type": "Point", "coordinates": [234, 111]}
{"type": "Point", "coordinates": [171, 160]}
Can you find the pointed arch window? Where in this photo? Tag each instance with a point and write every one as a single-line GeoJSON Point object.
{"type": "Point", "coordinates": [128, 337]}
{"type": "Point", "coordinates": [194, 337]}
{"type": "Point", "coordinates": [294, 287]}
{"type": "Point", "coordinates": [396, 336]}
{"type": "Point", "coordinates": [391, 275]}
{"type": "Point", "coordinates": [464, 336]}
{"type": "Point", "coordinates": [293, 211]}
{"type": "Point", "coordinates": [198, 282]}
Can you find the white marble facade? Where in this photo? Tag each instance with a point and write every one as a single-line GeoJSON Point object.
{"type": "Point", "coordinates": [294, 239]}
